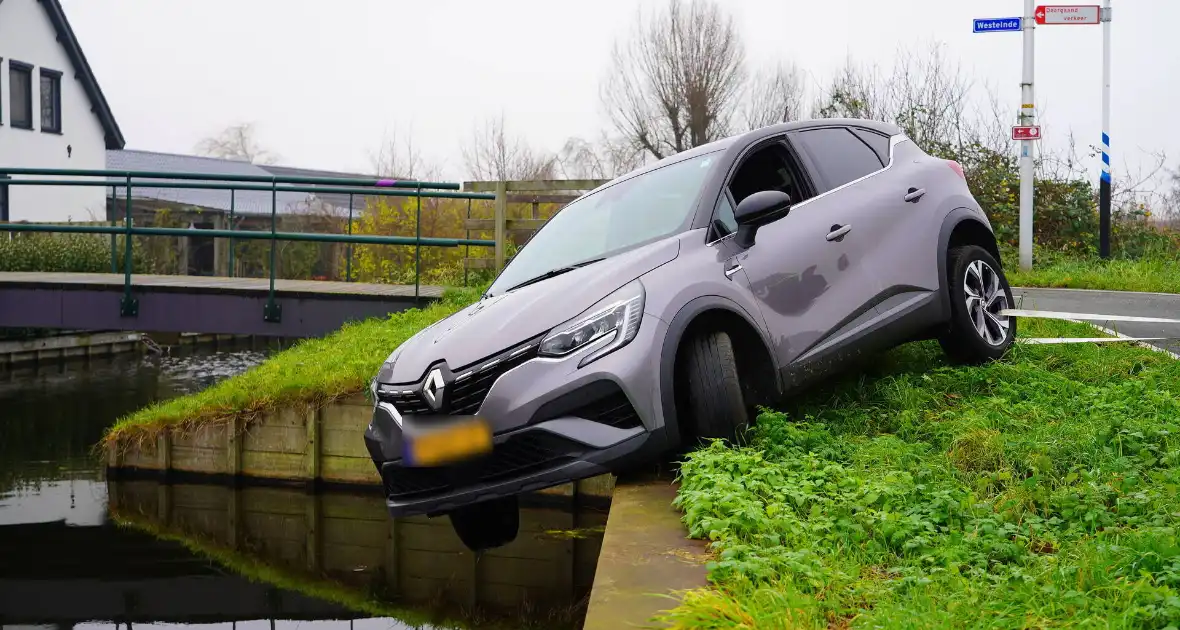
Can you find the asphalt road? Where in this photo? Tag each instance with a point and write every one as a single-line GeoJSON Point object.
{"type": "Point", "coordinates": [1111, 303]}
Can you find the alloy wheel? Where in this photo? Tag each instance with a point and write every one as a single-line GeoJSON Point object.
{"type": "Point", "coordinates": [985, 298]}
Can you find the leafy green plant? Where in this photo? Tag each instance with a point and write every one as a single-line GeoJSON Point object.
{"type": "Point", "coordinates": [1035, 491]}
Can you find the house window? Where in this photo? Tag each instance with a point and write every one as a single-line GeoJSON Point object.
{"type": "Point", "coordinates": [50, 101]}
{"type": "Point", "coordinates": [20, 94]}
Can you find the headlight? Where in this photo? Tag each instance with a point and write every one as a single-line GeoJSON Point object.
{"type": "Point", "coordinates": [612, 323]}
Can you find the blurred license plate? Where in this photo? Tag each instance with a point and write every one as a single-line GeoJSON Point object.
{"type": "Point", "coordinates": [453, 441]}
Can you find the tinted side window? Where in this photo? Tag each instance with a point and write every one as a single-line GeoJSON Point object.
{"type": "Point", "coordinates": [840, 156]}
{"type": "Point", "coordinates": [724, 215]}
{"type": "Point", "coordinates": [878, 142]}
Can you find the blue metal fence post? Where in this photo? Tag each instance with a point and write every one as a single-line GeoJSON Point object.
{"type": "Point", "coordinates": [418, 247]}
{"type": "Point", "coordinates": [129, 305]}
{"type": "Point", "coordinates": [4, 199]}
{"type": "Point", "coordinates": [114, 244]}
{"type": "Point", "coordinates": [272, 312]}
{"type": "Point", "coordinates": [232, 242]}
{"type": "Point", "coordinates": [348, 262]}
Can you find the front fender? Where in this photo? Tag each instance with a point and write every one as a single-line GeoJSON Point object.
{"type": "Point", "coordinates": [677, 327]}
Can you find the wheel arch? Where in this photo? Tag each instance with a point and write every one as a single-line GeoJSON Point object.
{"type": "Point", "coordinates": [751, 347]}
{"type": "Point", "coordinates": [961, 227]}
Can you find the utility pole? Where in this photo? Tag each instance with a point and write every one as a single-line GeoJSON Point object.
{"type": "Point", "coordinates": [1026, 160]}
{"type": "Point", "coordinates": [1104, 182]}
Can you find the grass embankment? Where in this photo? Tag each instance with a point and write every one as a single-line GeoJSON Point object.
{"type": "Point", "coordinates": [1155, 275]}
{"type": "Point", "coordinates": [1155, 271]}
{"type": "Point", "coordinates": [314, 371]}
{"type": "Point", "coordinates": [1038, 491]}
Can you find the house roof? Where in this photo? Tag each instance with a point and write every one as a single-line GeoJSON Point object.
{"type": "Point", "coordinates": [244, 201]}
{"type": "Point", "coordinates": [98, 102]}
{"type": "Point", "coordinates": [336, 199]}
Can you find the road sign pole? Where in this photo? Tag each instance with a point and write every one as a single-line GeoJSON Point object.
{"type": "Point", "coordinates": [1026, 161]}
{"type": "Point", "coordinates": [1104, 182]}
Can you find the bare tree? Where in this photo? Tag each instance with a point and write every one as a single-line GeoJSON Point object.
{"type": "Point", "coordinates": [854, 92]}
{"type": "Point", "coordinates": [236, 142]}
{"type": "Point", "coordinates": [773, 95]}
{"type": "Point", "coordinates": [1170, 206]}
{"type": "Point", "coordinates": [932, 100]}
{"type": "Point", "coordinates": [494, 156]}
{"type": "Point", "coordinates": [674, 84]}
{"type": "Point", "coordinates": [928, 98]}
{"type": "Point", "coordinates": [605, 159]}
{"type": "Point", "coordinates": [398, 157]}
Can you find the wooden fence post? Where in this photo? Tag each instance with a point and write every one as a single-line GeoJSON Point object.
{"type": "Point", "coordinates": [500, 219]}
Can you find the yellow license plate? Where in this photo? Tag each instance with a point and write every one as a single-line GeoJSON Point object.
{"type": "Point", "coordinates": [451, 443]}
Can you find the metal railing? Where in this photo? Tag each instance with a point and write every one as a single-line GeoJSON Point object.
{"type": "Point", "coordinates": [127, 181]}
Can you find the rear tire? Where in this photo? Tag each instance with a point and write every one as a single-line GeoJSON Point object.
{"type": "Point", "coordinates": [487, 524]}
{"type": "Point", "coordinates": [716, 407]}
{"type": "Point", "coordinates": [978, 291]}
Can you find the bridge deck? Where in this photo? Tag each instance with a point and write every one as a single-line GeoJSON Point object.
{"type": "Point", "coordinates": [214, 284]}
{"type": "Point", "coordinates": [204, 304]}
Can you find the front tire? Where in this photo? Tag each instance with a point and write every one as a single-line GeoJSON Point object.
{"type": "Point", "coordinates": [715, 405]}
{"type": "Point", "coordinates": [978, 292]}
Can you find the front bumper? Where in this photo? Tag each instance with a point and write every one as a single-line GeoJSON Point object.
{"type": "Point", "coordinates": [553, 423]}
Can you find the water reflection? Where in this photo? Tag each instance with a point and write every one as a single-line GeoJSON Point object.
{"type": "Point", "coordinates": [78, 550]}
{"type": "Point", "coordinates": [344, 548]}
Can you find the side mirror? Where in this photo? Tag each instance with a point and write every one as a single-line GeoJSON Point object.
{"type": "Point", "coordinates": [757, 210]}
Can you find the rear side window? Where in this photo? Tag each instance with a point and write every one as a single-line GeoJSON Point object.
{"type": "Point", "coordinates": [839, 156]}
{"type": "Point", "coordinates": [877, 142]}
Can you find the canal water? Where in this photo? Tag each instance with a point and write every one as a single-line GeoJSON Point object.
{"type": "Point", "coordinates": [80, 550]}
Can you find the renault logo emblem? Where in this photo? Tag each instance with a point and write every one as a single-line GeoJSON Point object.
{"type": "Point", "coordinates": [432, 389]}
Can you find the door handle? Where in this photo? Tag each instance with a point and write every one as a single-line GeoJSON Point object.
{"type": "Point", "coordinates": [914, 194]}
{"type": "Point", "coordinates": [838, 232]}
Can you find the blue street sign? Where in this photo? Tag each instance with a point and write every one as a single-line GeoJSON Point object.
{"type": "Point", "coordinates": [995, 25]}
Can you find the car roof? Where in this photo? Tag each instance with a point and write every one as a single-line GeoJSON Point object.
{"type": "Point", "coordinates": [749, 137]}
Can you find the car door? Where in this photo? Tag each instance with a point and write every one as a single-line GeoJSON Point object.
{"type": "Point", "coordinates": [800, 269]}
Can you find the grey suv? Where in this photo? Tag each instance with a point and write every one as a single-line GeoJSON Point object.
{"type": "Point", "coordinates": [663, 306]}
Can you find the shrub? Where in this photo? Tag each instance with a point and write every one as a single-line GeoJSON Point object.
{"type": "Point", "coordinates": [78, 253]}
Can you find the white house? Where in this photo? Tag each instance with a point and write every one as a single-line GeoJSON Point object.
{"type": "Point", "coordinates": [52, 113]}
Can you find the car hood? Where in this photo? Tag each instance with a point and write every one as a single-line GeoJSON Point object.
{"type": "Point", "coordinates": [499, 322]}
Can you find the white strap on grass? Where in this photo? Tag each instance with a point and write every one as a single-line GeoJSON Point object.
{"type": "Point", "coordinates": [1013, 312]}
{"type": "Point", "coordinates": [1056, 340]}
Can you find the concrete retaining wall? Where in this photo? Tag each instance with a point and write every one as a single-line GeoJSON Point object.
{"type": "Point", "coordinates": [301, 444]}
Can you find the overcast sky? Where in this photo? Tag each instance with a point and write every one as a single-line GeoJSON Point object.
{"type": "Point", "coordinates": [324, 81]}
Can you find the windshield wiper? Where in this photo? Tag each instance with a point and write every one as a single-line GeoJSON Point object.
{"type": "Point", "coordinates": [554, 272]}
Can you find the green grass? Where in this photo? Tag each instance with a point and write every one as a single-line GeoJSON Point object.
{"type": "Point", "coordinates": [313, 371]}
{"type": "Point", "coordinates": [1038, 491]}
{"type": "Point", "coordinates": [1155, 275]}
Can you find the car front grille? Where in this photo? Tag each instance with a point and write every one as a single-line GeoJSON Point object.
{"type": "Point", "coordinates": [520, 455]}
{"type": "Point", "coordinates": [406, 402]}
{"type": "Point", "coordinates": [470, 387]}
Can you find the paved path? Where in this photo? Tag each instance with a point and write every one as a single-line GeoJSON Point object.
{"type": "Point", "coordinates": [1112, 303]}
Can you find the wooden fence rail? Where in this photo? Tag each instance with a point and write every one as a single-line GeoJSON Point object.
{"type": "Point", "coordinates": [534, 193]}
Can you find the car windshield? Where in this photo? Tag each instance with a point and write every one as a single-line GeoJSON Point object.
{"type": "Point", "coordinates": [643, 208]}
